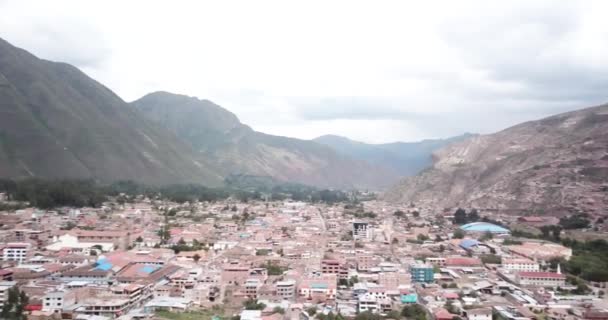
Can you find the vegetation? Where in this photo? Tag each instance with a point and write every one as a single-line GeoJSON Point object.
{"type": "Point", "coordinates": [462, 217]}
{"type": "Point", "coordinates": [14, 306]}
{"type": "Point", "coordinates": [491, 259]}
{"type": "Point", "coordinates": [312, 310]}
{"type": "Point", "coordinates": [414, 312]}
{"type": "Point", "coordinates": [458, 234]}
{"type": "Point", "coordinates": [367, 315]}
{"type": "Point", "coordinates": [274, 269]}
{"type": "Point", "coordinates": [207, 314]}
{"type": "Point", "coordinates": [577, 221]}
{"type": "Point", "coordinates": [46, 194]}
{"type": "Point", "coordinates": [252, 304]}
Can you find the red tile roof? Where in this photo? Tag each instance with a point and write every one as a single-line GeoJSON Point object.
{"type": "Point", "coordinates": [530, 274]}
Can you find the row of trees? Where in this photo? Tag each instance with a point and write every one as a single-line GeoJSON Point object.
{"type": "Point", "coordinates": [47, 194]}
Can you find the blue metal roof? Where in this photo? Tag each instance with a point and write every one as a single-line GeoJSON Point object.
{"type": "Point", "coordinates": [468, 243]}
{"type": "Point", "coordinates": [483, 227]}
{"type": "Point", "coordinates": [148, 268]}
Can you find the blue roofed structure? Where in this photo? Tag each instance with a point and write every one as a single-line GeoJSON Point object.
{"type": "Point", "coordinates": [468, 243]}
{"type": "Point", "coordinates": [484, 227]}
{"type": "Point", "coordinates": [149, 268]}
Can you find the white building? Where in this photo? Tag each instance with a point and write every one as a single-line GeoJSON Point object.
{"type": "Point", "coordinates": [53, 301]}
{"type": "Point", "coordinates": [479, 314]}
{"type": "Point", "coordinates": [286, 289]}
{"type": "Point", "coordinates": [70, 242]}
{"type": "Point", "coordinates": [15, 251]}
{"type": "Point", "coordinates": [520, 264]}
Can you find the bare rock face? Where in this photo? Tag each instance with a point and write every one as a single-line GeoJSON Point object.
{"type": "Point", "coordinates": [556, 164]}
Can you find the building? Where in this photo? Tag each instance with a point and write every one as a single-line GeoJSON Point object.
{"type": "Point", "coordinates": [479, 314]}
{"type": "Point", "coordinates": [16, 251]}
{"type": "Point", "coordinates": [332, 266]}
{"type": "Point", "coordinates": [286, 290]}
{"type": "Point", "coordinates": [484, 227]}
{"type": "Point", "coordinates": [422, 273]}
{"type": "Point", "coordinates": [362, 231]}
{"type": "Point", "coordinates": [541, 279]}
{"type": "Point", "coordinates": [541, 251]}
{"type": "Point", "coordinates": [520, 264]}
{"type": "Point", "coordinates": [318, 288]}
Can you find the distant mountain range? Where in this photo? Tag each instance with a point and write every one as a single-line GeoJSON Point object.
{"type": "Point", "coordinates": [555, 165]}
{"type": "Point", "coordinates": [405, 158]}
{"type": "Point", "coordinates": [234, 148]}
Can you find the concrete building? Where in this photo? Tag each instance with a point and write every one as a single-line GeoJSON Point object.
{"type": "Point", "coordinates": [16, 251]}
{"type": "Point", "coordinates": [520, 264]}
{"type": "Point", "coordinates": [421, 272]}
{"type": "Point", "coordinates": [286, 289]}
{"type": "Point", "coordinates": [540, 279]}
{"type": "Point", "coordinates": [362, 231]}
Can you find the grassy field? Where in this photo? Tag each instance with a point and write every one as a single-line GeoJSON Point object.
{"type": "Point", "coordinates": [192, 315]}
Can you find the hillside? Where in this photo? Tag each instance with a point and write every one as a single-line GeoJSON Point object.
{"type": "Point", "coordinates": [56, 122]}
{"type": "Point", "coordinates": [555, 165]}
{"type": "Point", "coordinates": [237, 149]}
{"type": "Point", "coordinates": [405, 158]}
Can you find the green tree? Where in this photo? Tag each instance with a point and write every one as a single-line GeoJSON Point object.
{"type": "Point", "coordinates": [458, 234]}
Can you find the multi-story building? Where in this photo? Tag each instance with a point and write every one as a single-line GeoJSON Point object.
{"type": "Point", "coordinates": [520, 264]}
{"type": "Point", "coordinates": [333, 266]}
{"type": "Point", "coordinates": [541, 279]}
{"type": "Point", "coordinates": [286, 289]}
{"type": "Point", "coordinates": [362, 231]}
{"type": "Point", "coordinates": [251, 288]}
{"type": "Point", "coordinates": [421, 272]}
{"type": "Point", "coordinates": [15, 251]}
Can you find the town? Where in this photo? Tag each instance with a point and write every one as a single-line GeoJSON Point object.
{"type": "Point", "coordinates": [283, 259]}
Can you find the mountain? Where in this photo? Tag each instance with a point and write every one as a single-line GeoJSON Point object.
{"type": "Point", "coordinates": [56, 122]}
{"type": "Point", "coordinates": [558, 164]}
{"type": "Point", "coordinates": [405, 158]}
{"type": "Point", "coordinates": [235, 148]}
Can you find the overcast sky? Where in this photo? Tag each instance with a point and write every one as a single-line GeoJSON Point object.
{"type": "Point", "coordinates": [375, 71]}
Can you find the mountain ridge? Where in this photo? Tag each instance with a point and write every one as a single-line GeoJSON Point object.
{"type": "Point", "coordinates": [235, 148]}
{"type": "Point", "coordinates": [57, 122]}
{"type": "Point", "coordinates": [405, 158]}
{"type": "Point", "coordinates": [558, 163]}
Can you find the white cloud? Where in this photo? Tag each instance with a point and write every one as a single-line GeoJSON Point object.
{"type": "Point", "coordinates": [372, 70]}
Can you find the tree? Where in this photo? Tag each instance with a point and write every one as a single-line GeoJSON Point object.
{"type": "Point", "coordinates": [196, 257]}
{"type": "Point", "coordinates": [253, 304]}
{"type": "Point", "coordinates": [367, 315]}
{"type": "Point", "coordinates": [460, 216]}
{"type": "Point", "coordinates": [422, 237]}
{"type": "Point", "coordinates": [416, 214]}
{"type": "Point", "coordinates": [139, 239]}
{"type": "Point", "coordinates": [278, 310]}
{"type": "Point", "coordinates": [414, 312]}
{"type": "Point", "coordinates": [487, 236]}
{"type": "Point", "coordinates": [473, 216]}
{"type": "Point", "coordinates": [458, 234]}
{"type": "Point", "coordinates": [14, 305]}
{"type": "Point", "coordinates": [311, 311]}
